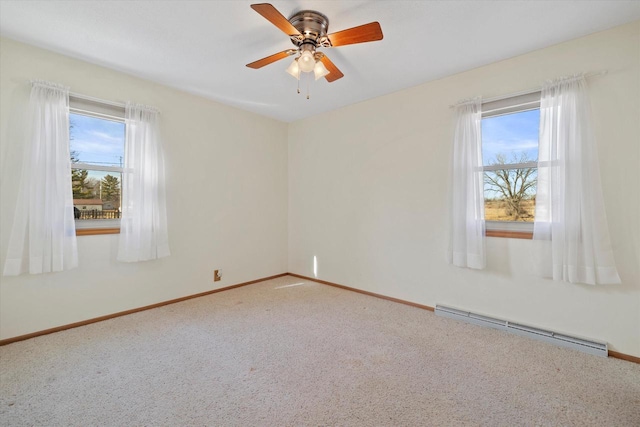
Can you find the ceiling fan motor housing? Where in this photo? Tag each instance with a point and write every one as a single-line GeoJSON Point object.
{"type": "Point", "coordinates": [313, 26]}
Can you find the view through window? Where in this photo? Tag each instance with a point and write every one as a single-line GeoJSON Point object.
{"type": "Point", "coordinates": [510, 155]}
{"type": "Point", "coordinates": [97, 150]}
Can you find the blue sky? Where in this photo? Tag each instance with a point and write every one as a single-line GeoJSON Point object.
{"type": "Point", "coordinates": [510, 134]}
{"type": "Point", "coordinates": [97, 141]}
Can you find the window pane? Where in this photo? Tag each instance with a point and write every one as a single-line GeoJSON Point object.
{"type": "Point", "coordinates": [96, 194]}
{"type": "Point", "coordinates": [509, 194]}
{"type": "Point", "coordinates": [512, 138]}
{"type": "Point", "coordinates": [508, 139]}
{"type": "Point", "coordinates": [96, 141]}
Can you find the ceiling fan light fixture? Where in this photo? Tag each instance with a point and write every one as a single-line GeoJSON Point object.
{"type": "Point", "coordinates": [319, 70]}
{"type": "Point", "coordinates": [294, 69]}
{"type": "Point", "coordinates": [306, 62]}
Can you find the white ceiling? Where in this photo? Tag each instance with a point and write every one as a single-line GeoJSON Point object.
{"type": "Point", "coordinates": [202, 46]}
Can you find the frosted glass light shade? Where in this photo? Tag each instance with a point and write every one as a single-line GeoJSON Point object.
{"type": "Point", "coordinates": [306, 62]}
{"type": "Point", "coordinates": [320, 70]}
{"type": "Point", "coordinates": [294, 70]}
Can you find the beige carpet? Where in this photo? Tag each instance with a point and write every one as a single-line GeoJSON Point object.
{"type": "Point", "coordinates": [291, 353]}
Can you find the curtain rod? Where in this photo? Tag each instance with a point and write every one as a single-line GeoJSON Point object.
{"type": "Point", "coordinates": [528, 91]}
{"type": "Point", "coordinates": [101, 101]}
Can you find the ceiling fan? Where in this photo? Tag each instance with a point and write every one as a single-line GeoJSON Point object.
{"type": "Point", "coordinates": [307, 30]}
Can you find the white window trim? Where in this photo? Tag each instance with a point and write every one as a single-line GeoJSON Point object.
{"type": "Point", "coordinates": [101, 168]}
{"type": "Point", "coordinates": [96, 107]}
{"type": "Point", "coordinates": [512, 104]}
{"type": "Point", "coordinates": [508, 166]}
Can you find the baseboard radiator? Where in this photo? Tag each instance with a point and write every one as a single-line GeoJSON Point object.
{"type": "Point", "coordinates": [580, 344]}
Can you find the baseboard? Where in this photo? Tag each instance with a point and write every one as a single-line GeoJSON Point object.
{"type": "Point", "coordinates": [611, 353]}
{"type": "Point", "coordinates": [360, 291]}
{"type": "Point", "coordinates": [627, 357]}
{"type": "Point", "coordinates": [134, 310]}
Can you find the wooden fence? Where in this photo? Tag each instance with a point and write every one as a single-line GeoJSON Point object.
{"type": "Point", "coordinates": [96, 214]}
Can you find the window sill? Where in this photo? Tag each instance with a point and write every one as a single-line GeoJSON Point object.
{"type": "Point", "coordinates": [91, 227]}
{"type": "Point", "coordinates": [509, 229]}
{"type": "Point", "coordinates": [96, 231]}
{"type": "Point", "coordinates": [510, 234]}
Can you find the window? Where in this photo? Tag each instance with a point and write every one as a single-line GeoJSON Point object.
{"type": "Point", "coordinates": [97, 134]}
{"type": "Point", "coordinates": [510, 129]}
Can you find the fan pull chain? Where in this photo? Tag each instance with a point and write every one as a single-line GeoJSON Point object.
{"type": "Point", "coordinates": [298, 81]}
{"type": "Point", "coordinates": [308, 84]}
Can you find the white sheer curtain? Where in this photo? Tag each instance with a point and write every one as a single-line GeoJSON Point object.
{"type": "Point", "coordinates": [467, 225]}
{"type": "Point", "coordinates": [143, 229]}
{"type": "Point", "coordinates": [43, 237]}
{"type": "Point", "coordinates": [569, 206]}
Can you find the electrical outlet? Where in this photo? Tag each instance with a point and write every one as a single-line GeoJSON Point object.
{"type": "Point", "coordinates": [217, 275]}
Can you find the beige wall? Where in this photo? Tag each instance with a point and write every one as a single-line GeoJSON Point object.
{"type": "Point", "coordinates": [368, 195]}
{"type": "Point", "coordinates": [231, 164]}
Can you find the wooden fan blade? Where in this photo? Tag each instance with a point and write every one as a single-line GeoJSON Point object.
{"type": "Point", "coordinates": [270, 59]}
{"type": "Point", "coordinates": [364, 33]}
{"type": "Point", "coordinates": [334, 72]}
{"type": "Point", "coordinates": [272, 15]}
